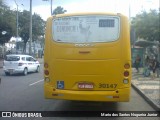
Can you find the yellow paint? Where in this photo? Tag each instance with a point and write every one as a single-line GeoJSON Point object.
{"type": "Point", "coordinates": [99, 63]}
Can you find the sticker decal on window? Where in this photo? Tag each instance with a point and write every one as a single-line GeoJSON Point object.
{"type": "Point", "coordinates": [86, 29]}
{"type": "Point", "coordinates": [60, 84]}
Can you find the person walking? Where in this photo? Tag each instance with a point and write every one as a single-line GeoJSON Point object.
{"type": "Point", "coordinates": [137, 63]}
{"type": "Point", "coordinates": [147, 67]}
{"type": "Point", "coordinates": [155, 66]}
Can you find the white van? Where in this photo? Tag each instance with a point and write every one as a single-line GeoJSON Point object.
{"type": "Point", "coordinates": [20, 64]}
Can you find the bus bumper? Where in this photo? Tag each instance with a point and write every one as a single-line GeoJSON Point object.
{"type": "Point", "coordinates": [123, 95]}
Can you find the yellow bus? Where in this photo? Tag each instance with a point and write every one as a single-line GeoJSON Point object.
{"type": "Point", "coordinates": [87, 57]}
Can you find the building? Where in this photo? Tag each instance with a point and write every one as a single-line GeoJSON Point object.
{"type": "Point", "coordinates": [17, 47]}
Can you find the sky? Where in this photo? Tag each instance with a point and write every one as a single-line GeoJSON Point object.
{"type": "Point", "coordinates": [43, 7]}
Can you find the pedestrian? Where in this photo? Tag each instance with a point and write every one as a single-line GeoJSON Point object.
{"type": "Point", "coordinates": [137, 63]}
{"type": "Point", "coordinates": [155, 66]}
{"type": "Point", "coordinates": [147, 66]}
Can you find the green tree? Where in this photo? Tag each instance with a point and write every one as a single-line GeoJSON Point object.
{"type": "Point", "coordinates": [7, 23]}
{"type": "Point", "coordinates": [147, 25]}
{"type": "Point", "coordinates": [59, 10]}
{"type": "Point", "coordinates": [38, 26]}
{"type": "Point", "coordinates": [24, 27]}
{"type": "Point", "coordinates": [2, 3]}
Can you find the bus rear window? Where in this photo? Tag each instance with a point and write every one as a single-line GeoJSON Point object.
{"type": "Point", "coordinates": [82, 29]}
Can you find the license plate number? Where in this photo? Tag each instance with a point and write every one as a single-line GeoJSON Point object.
{"type": "Point", "coordinates": [85, 85]}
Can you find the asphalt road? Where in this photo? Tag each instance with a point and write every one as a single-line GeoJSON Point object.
{"type": "Point", "coordinates": [25, 93]}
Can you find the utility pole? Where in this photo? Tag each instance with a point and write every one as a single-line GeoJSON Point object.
{"type": "Point", "coordinates": [16, 25]}
{"type": "Point", "coordinates": [51, 5]}
{"type": "Point", "coordinates": [129, 11]}
{"type": "Point", "coordinates": [30, 30]}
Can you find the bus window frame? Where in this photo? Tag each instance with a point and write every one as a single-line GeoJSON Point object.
{"type": "Point", "coordinates": [110, 16]}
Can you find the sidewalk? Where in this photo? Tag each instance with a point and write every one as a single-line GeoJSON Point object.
{"type": "Point", "coordinates": [147, 87]}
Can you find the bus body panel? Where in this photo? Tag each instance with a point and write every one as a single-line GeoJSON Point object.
{"type": "Point", "coordinates": [94, 52]}
{"type": "Point", "coordinates": [123, 95]}
{"type": "Point", "coordinates": [88, 71]}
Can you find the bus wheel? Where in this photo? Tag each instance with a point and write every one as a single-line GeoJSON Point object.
{"type": "Point", "coordinates": [25, 72]}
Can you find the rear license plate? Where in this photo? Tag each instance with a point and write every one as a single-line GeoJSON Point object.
{"type": "Point", "coordinates": [85, 85]}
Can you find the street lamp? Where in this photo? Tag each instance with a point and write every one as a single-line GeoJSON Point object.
{"type": "Point", "coordinates": [51, 5]}
{"type": "Point", "coordinates": [3, 49]}
{"type": "Point", "coordinates": [30, 29]}
{"type": "Point", "coordinates": [16, 25]}
{"type": "Point", "coordinates": [4, 32]}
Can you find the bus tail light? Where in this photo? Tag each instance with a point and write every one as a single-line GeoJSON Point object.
{"type": "Point", "coordinates": [47, 79]}
{"type": "Point", "coordinates": [46, 72]}
{"type": "Point", "coordinates": [45, 65]}
{"type": "Point", "coordinates": [126, 73]}
{"type": "Point", "coordinates": [125, 81]}
{"type": "Point", "coordinates": [127, 66]}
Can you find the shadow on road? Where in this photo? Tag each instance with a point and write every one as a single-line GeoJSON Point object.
{"type": "Point", "coordinates": [88, 106]}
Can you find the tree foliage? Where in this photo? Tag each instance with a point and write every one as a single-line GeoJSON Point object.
{"type": "Point", "coordinates": [7, 23]}
{"type": "Point", "coordinates": [38, 26]}
{"type": "Point", "coordinates": [59, 10]}
{"type": "Point", "coordinates": [24, 24]}
{"type": "Point", "coordinates": [147, 25]}
{"type": "Point", "coordinates": [24, 27]}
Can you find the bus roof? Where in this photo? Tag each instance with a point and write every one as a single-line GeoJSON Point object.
{"type": "Point", "coordinates": [87, 13]}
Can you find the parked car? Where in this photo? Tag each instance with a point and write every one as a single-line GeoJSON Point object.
{"type": "Point", "coordinates": [20, 64]}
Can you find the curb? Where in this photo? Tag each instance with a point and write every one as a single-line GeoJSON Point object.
{"type": "Point", "coordinates": [146, 98]}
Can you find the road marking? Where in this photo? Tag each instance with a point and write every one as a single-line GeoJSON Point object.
{"type": "Point", "coordinates": [36, 82]}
